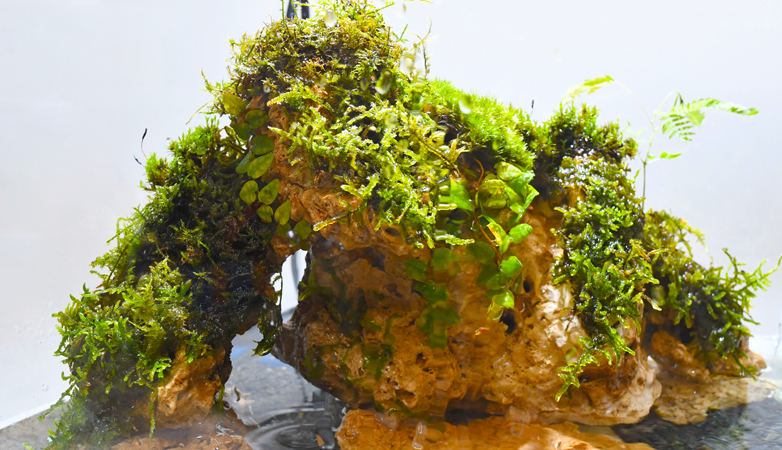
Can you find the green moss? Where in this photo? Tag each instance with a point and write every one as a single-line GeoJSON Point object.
{"type": "Point", "coordinates": [706, 305]}
{"type": "Point", "coordinates": [187, 270]}
{"type": "Point", "coordinates": [446, 167]}
{"type": "Point", "coordinates": [616, 257]}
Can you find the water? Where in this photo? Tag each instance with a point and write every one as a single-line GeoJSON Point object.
{"type": "Point", "coordinates": [281, 410]}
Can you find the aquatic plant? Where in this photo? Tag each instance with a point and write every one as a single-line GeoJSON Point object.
{"type": "Point", "coordinates": [195, 265]}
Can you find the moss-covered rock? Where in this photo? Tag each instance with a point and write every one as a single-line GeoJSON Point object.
{"type": "Point", "coordinates": [339, 141]}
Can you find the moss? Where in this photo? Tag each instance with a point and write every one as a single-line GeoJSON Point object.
{"type": "Point", "coordinates": [705, 305]}
{"type": "Point", "coordinates": [188, 269]}
{"type": "Point", "coordinates": [446, 167]}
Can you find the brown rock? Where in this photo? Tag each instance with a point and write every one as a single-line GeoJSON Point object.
{"type": "Point", "coordinates": [361, 431]}
{"type": "Point", "coordinates": [356, 333]}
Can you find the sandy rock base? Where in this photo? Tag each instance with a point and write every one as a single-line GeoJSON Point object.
{"type": "Point", "coordinates": [361, 431]}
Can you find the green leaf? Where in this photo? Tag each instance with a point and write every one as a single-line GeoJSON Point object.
{"type": "Point", "coordinates": [233, 104]}
{"type": "Point", "coordinates": [283, 213]}
{"type": "Point", "coordinates": [496, 282]}
{"type": "Point", "coordinates": [665, 155]}
{"type": "Point", "coordinates": [500, 236]}
{"type": "Point", "coordinates": [303, 229]}
{"type": "Point", "coordinates": [255, 118]}
{"type": "Point", "coordinates": [242, 167]}
{"type": "Point", "coordinates": [282, 230]}
{"type": "Point", "coordinates": [416, 269]}
{"type": "Point", "coordinates": [442, 258]}
{"type": "Point", "coordinates": [269, 192]}
{"type": "Point", "coordinates": [520, 184]}
{"type": "Point", "coordinates": [260, 165]}
{"type": "Point", "coordinates": [249, 192]}
{"type": "Point", "coordinates": [265, 212]}
{"type": "Point", "coordinates": [460, 196]}
{"type": "Point", "coordinates": [494, 312]}
{"type": "Point", "coordinates": [683, 117]}
{"type": "Point", "coordinates": [262, 144]}
{"type": "Point", "coordinates": [505, 299]}
{"type": "Point", "coordinates": [520, 232]}
{"type": "Point", "coordinates": [507, 172]}
{"type": "Point", "coordinates": [487, 273]}
{"type": "Point", "coordinates": [483, 252]}
{"type": "Point", "coordinates": [433, 292]}
{"type": "Point", "coordinates": [510, 267]}
{"type": "Point", "coordinates": [492, 194]}
{"type": "Point", "coordinates": [243, 131]}
{"type": "Point", "coordinates": [588, 86]}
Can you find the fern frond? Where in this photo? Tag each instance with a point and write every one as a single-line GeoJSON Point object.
{"type": "Point", "coordinates": [683, 117]}
{"type": "Point", "coordinates": [588, 86]}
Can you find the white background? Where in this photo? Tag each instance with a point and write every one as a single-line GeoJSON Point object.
{"type": "Point", "coordinates": [81, 80]}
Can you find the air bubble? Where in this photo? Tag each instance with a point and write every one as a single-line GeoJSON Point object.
{"type": "Point", "coordinates": [466, 104]}
{"type": "Point", "coordinates": [383, 84]}
{"type": "Point", "coordinates": [330, 19]}
{"type": "Point", "coordinates": [407, 64]}
{"type": "Point", "coordinates": [391, 121]}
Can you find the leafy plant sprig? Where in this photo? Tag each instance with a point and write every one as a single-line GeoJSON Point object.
{"type": "Point", "coordinates": [679, 121]}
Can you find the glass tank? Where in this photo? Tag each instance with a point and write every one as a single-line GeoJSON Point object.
{"type": "Point", "coordinates": [368, 235]}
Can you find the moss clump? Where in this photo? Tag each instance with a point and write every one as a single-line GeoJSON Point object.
{"type": "Point", "coordinates": [388, 134]}
{"type": "Point", "coordinates": [189, 269]}
{"type": "Point", "coordinates": [705, 305]}
{"type": "Point", "coordinates": [623, 264]}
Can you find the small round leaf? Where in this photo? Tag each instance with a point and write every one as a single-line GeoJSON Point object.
{"type": "Point", "coordinates": [303, 229]}
{"type": "Point", "coordinates": [249, 192]}
{"type": "Point", "coordinates": [283, 213]}
{"type": "Point", "coordinates": [233, 104]}
{"type": "Point", "coordinates": [265, 212]}
{"type": "Point", "coordinates": [243, 131]}
{"type": "Point", "coordinates": [255, 118]}
{"type": "Point", "coordinates": [260, 165]}
{"type": "Point", "coordinates": [262, 144]}
{"type": "Point", "coordinates": [269, 192]}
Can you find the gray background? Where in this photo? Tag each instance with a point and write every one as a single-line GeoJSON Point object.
{"type": "Point", "coordinates": [81, 80]}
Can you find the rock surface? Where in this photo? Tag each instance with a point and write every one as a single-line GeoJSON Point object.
{"type": "Point", "coordinates": [361, 431]}
{"type": "Point", "coordinates": [356, 334]}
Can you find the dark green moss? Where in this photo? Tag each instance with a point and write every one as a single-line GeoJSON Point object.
{"type": "Point", "coordinates": [189, 269]}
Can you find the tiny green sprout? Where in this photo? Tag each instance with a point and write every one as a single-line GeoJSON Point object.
{"type": "Point", "coordinates": [679, 121]}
